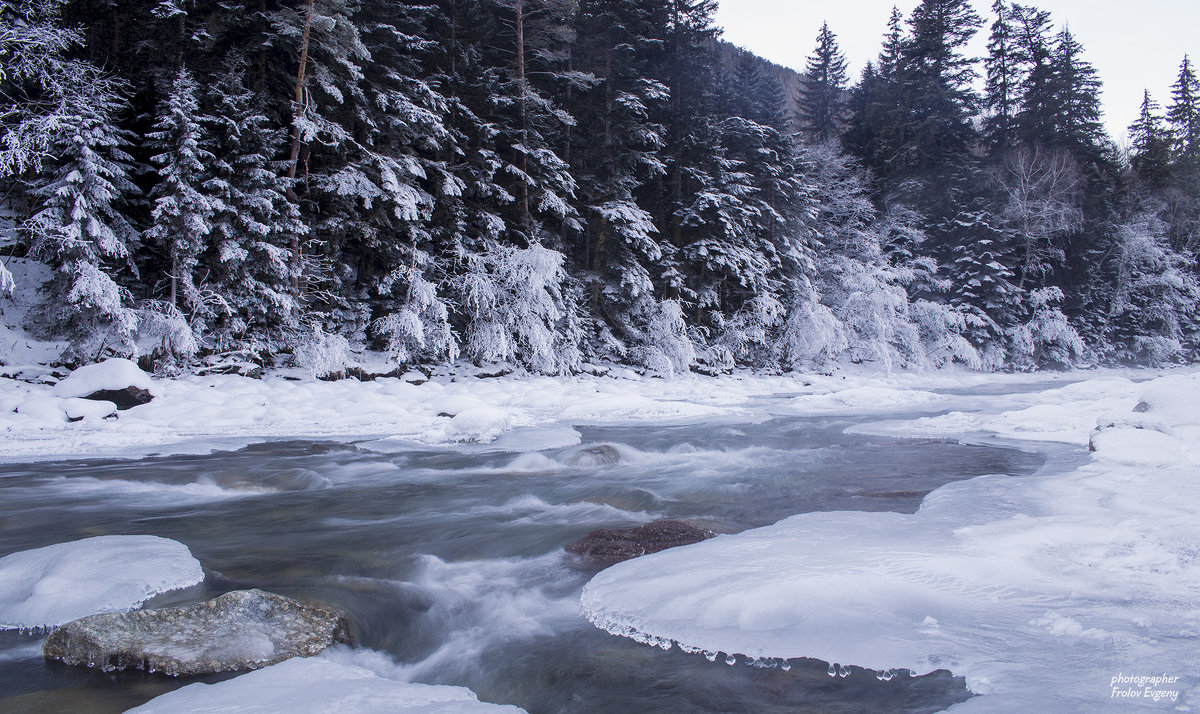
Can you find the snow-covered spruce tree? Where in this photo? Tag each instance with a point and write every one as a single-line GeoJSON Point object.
{"type": "Point", "coordinates": [40, 86]}
{"type": "Point", "coordinates": [40, 89]}
{"type": "Point", "coordinates": [779, 206]}
{"type": "Point", "coordinates": [614, 151]}
{"type": "Point", "coordinates": [182, 213]}
{"type": "Point", "coordinates": [79, 228]}
{"type": "Point", "coordinates": [1154, 294]}
{"type": "Point", "coordinates": [253, 223]}
{"type": "Point", "coordinates": [983, 288]}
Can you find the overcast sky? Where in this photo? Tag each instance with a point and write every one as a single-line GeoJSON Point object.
{"type": "Point", "coordinates": [1133, 44]}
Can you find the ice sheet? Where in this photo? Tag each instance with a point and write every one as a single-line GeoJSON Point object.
{"type": "Point", "coordinates": [1040, 590]}
{"type": "Point", "coordinates": [53, 585]}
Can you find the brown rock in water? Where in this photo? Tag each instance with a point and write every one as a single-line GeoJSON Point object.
{"type": "Point", "coordinates": [126, 398]}
{"type": "Point", "coordinates": [612, 545]}
{"type": "Point", "coordinates": [244, 629]}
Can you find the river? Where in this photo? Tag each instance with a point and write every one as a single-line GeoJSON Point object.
{"type": "Point", "coordinates": [450, 561]}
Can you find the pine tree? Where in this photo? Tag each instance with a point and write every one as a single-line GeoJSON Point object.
{"type": "Point", "coordinates": [253, 223]}
{"type": "Point", "coordinates": [1184, 115]}
{"type": "Point", "coordinates": [940, 78]}
{"type": "Point", "coordinates": [617, 164]}
{"type": "Point", "coordinates": [79, 228]}
{"type": "Point", "coordinates": [822, 89]}
{"type": "Point", "coordinates": [1077, 90]}
{"type": "Point", "coordinates": [1004, 73]}
{"type": "Point", "coordinates": [1150, 145]}
{"type": "Point", "coordinates": [1035, 120]}
{"type": "Point", "coordinates": [182, 206]}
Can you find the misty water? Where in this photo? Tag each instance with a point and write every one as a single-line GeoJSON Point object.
{"type": "Point", "coordinates": [451, 561]}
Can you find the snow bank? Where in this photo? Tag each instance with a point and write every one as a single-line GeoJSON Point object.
{"type": "Point", "coordinates": [341, 680]}
{"type": "Point", "coordinates": [1044, 592]}
{"type": "Point", "coordinates": [54, 585]}
{"type": "Point", "coordinates": [505, 413]}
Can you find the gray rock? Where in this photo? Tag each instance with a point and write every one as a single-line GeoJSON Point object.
{"type": "Point", "coordinates": [595, 456]}
{"type": "Point", "coordinates": [610, 545]}
{"type": "Point", "coordinates": [244, 629]}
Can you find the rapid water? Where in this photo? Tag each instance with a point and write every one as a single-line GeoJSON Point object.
{"type": "Point", "coordinates": [452, 563]}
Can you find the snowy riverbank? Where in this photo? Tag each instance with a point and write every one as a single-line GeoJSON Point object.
{"type": "Point", "coordinates": [197, 414]}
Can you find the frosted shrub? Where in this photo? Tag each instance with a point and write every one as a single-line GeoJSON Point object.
{"type": "Point", "coordinates": [165, 335]}
{"type": "Point", "coordinates": [665, 345]}
{"type": "Point", "coordinates": [875, 315]}
{"type": "Point", "coordinates": [943, 330]}
{"type": "Point", "coordinates": [1047, 338]}
{"type": "Point", "coordinates": [749, 333]}
{"type": "Point", "coordinates": [812, 335]}
{"type": "Point", "coordinates": [420, 329]}
{"type": "Point", "coordinates": [322, 353]}
{"type": "Point", "coordinates": [517, 309]}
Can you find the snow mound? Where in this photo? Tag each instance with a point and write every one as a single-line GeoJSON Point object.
{"type": "Point", "coordinates": [1038, 590]}
{"type": "Point", "coordinates": [110, 374]}
{"type": "Point", "coordinates": [54, 585]}
{"type": "Point", "coordinates": [479, 424]}
{"type": "Point", "coordinates": [340, 681]}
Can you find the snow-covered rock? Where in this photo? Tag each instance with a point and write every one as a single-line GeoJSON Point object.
{"type": "Point", "coordinates": [45, 410]}
{"type": "Point", "coordinates": [244, 629]}
{"type": "Point", "coordinates": [50, 586]}
{"type": "Point", "coordinates": [115, 380]}
{"type": "Point", "coordinates": [111, 374]}
{"type": "Point", "coordinates": [78, 409]}
{"type": "Point", "coordinates": [479, 424]}
{"type": "Point", "coordinates": [337, 682]}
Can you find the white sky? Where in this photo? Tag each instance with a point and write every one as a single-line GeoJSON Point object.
{"type": "Point", "coordinates": [1133, 44]}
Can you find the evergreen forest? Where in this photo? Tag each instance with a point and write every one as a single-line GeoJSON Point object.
{"type": "Point", "coordinates": [554, 184]}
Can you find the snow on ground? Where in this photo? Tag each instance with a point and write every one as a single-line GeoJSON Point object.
{"type": "Point", "coordinates": [54, 585]}
{"type": "Point", "coordinates": [339, 680]}
{"type": "Point", "coordinates": [517, 412]}
{"type": "Point", "coordinates": [1063, 592]}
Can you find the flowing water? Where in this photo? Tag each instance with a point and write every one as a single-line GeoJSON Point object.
{"type": "Point", "coordinates": [451, 561]}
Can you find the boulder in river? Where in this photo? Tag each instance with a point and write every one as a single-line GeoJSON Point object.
{"type": "Point", "coordinates": [599, 455]}
{"type": "Point", "coordinates": [613, 545]}
{"type": "Point", "coordinates": [240, 630]}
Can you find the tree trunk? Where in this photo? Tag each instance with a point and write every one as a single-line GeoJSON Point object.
{"type": "Point", "coordinates": [524, 112]}
{"type": "Point", "coordinates": [294, 159]}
